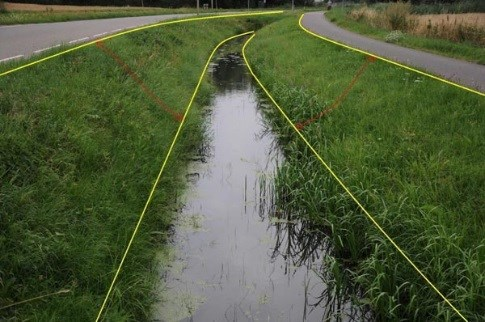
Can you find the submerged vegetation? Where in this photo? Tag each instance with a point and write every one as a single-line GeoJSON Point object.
{"type": "Point", "coordinates": [408, 147]}
{"type": "Point", "coordinates": [81, 145]}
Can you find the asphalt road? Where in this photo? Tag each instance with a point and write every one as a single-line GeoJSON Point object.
{"type": "Point", "coordinates": [461, 72]}
{"type": "Point", "coordinates": [21, 41]}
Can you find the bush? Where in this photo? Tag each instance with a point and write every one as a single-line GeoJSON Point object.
{"type": "Point", "coordinates": [397, 14]}
{"type": "Point", "coordinates": [359, 13]}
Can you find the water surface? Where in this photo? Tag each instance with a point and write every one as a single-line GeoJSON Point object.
{"type": "Point", "coordinates": [236, 256]}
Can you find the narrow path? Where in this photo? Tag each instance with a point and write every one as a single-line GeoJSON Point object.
{"type": "Point", "coordinates": [461, 72]}
{"type": "Point", "coordinates": [22, 41]}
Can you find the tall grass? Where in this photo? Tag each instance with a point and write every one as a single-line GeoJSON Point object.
{"type": "Point", "coordinates": [397, 16]}
{"type": "Point", "coordinates": [458, 28]}
{"type": "Point", "coordinates": [81, 145]}
{"type": "Point", "coordinates": [409, 148]}
{"type": "Point", "coordinates": [460, 40]}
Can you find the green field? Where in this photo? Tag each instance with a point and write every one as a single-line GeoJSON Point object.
{"type": "Point", "coordinates": [81, 146]}
{"type": "Point", "coordinates": [23, 17]}
{"type": "Point", "coordinates": [408, 147]}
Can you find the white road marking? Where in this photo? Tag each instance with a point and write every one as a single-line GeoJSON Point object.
{"type": "Point", "coordinates": [40, 50]}
{"type": "Point", "coordinates": [78, 40]}
{"type": "Point", "coordinates": [10, 58]}
{"type": "Point", "coordinates": [47, 48]}
{"type": "Point", "coordinates": [117, 30]}
{"type": "Point", "coordinates": [99, 35]}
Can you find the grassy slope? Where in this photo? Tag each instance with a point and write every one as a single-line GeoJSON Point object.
{"type": "Point", "coordinates": [410, 148]}
{"type": "Point", "coordinates": [439, 46]}
{"type": "Point", "coordinates": [80, 147]}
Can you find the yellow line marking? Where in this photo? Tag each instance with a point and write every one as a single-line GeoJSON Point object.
{"type": "Point", "coordinates": [138, 29]}
{"type": "Point", "coordinates": [155, 184]}
{"type": "Point", "coordinates": [347, 190]}
{"type": "Point", "coordinates": [389, 61]}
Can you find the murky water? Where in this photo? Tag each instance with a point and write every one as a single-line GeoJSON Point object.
{"type": "Point", "coordinates": [236, 257]}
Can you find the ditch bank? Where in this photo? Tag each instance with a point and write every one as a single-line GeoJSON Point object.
{"type": "Point", "coordinates": [409, 149]}
{"type": "Point", "coordinates": [81, 144]}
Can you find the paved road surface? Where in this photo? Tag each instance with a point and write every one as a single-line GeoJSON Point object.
{"type": "Point", "coordinates": [461, 72]}
{"type": "Point", "coordinates": [25, 40]}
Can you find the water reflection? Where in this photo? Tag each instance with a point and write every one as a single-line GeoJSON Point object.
{"type": "Point", "coordinates": [228, 73]}
{"type": "Point", "coordinates": [237, 256]}
{"type": "Point", "coordinates": [300, 243]}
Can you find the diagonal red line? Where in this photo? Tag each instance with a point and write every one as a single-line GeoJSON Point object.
{"type": "Point", "coordinates": [137, 79]}
{"type": "Point", "coordinates": [340, 98]}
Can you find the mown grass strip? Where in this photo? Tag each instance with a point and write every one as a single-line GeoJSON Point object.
{"type": "Point", "coordinates": [165, 23]}
{"type": "Point", "coordinates": [157, 180]}
{"type": "Point", "coordinates": [344, 186]}
{"type": "Point", "coordinates": [389, 61]}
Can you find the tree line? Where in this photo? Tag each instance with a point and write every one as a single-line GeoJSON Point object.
{"type": "Point", "coordinates": [219, 3]}
{"type": "Point", "coordinates": [418, 2]}
{"type": "Point", "coordinates": [170, 3]}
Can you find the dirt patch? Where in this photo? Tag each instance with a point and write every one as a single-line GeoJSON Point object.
{"type": "Point", "coordinates": [59, 8]}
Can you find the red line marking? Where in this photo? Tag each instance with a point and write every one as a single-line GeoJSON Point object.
{"type": "Point", "coordinates": [342, 96]}
{"type": "Point", "coordinates": [134, 76]}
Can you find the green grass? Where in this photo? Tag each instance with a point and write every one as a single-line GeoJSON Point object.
{"type": "Point", "coordinates": [409, 148]}
{"type": "Point", "coordinates": [81, 145]}
{"type": "Point", "coordinates": [23, 17]}
{"type": "Point", "coordinates": [444, 47]}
